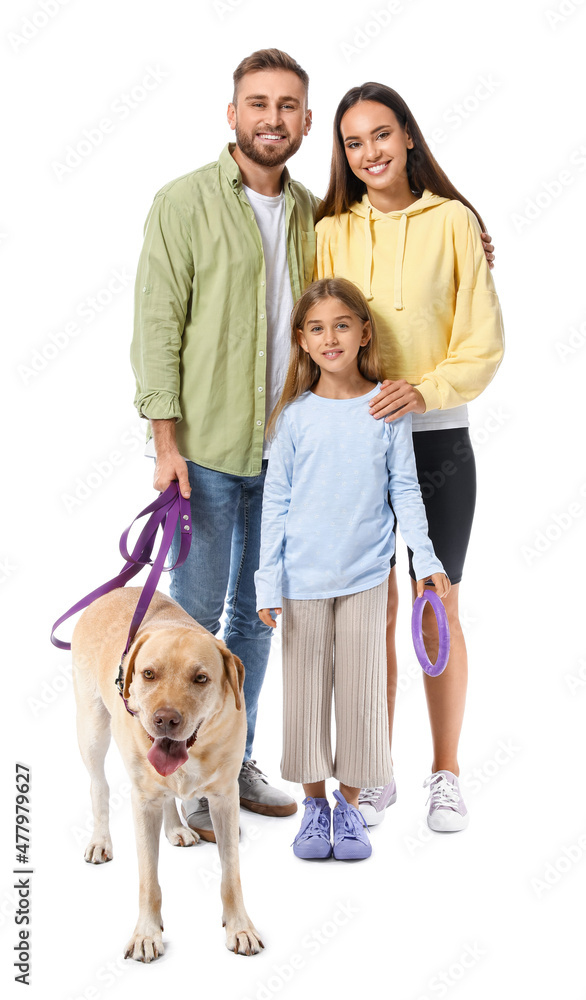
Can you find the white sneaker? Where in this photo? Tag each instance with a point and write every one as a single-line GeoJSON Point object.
{"type": "Point", "coordinates": [373, 802]}
{"type": "Point", "coordinates": [447, 812]}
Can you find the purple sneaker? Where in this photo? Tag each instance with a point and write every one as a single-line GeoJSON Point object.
{"type": "Point", "coordinates": [447, 811]}
{"type": "Point", "coordinates": [351, 841]}
{"type": "Point", "coordinates": [372, 802]}
{"type": "Point", "coordinates": [313, 839]}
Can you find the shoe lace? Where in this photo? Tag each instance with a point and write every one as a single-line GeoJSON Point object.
{"type": "Point", "coordinates": [368, 795]}
{"type": "Point", "coordinates": [314, 823]}
{"type": "Point", "coordinates": [202, 804]}
{"type": "Point", "coordinates": [353, 821]}
{"type": "Point", "coordinates": [252, 771]}
{"type": "Point", "coordinates": [441, 792]}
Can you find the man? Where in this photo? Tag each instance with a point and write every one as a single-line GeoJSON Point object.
{"type": "Point", "coordinates": [227, 250]}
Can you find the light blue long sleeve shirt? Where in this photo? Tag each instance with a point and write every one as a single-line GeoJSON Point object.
{"type": "Point", "coordinates": [327, 528]}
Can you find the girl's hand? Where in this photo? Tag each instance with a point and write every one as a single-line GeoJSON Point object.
{"type": "Point", "coordinates": [395, 399]}
{"type": "Point", "coordinates": [441, 583]}
{"type": "Point", "coordinates": [265, 616]}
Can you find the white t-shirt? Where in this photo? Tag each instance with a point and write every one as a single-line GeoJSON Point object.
{"type": "Point", "coordinates": [270, 218]}
{"type": "Point", "coordinates": [441, 420]}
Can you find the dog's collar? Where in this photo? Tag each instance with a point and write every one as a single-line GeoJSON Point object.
{"type": "Point", "coordinates": [120, 686]}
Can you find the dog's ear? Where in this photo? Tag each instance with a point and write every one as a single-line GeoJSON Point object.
{"type": "Point", "coordinates": [234, 670]}
{"type": "Point", "coordinates": [129, 665]}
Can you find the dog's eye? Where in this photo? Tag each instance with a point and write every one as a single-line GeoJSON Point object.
{"type": "Point", "coordinates": [148, 675]}
{"type": "Point", "coordinates": [201, 679]}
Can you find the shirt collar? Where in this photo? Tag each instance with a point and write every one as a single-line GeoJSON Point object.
{"type": "Point", "coordinates": [232, 170]}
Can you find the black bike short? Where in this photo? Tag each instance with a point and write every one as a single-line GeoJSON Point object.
{"type": "Point", "coordinates": [447, 477]}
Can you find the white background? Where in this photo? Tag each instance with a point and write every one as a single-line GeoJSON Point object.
{"type": "Point", "coordinates": [509, 891]}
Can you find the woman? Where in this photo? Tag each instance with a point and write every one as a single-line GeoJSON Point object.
{"type": "Point", "coordinates": [393, 223]}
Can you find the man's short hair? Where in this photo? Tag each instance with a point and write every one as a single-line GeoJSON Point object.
{"type": "Point", "coordinates": [268, 59]}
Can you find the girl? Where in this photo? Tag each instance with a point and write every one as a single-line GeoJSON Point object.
{"type": "Point", "coordinates": [326, 543]}
{"type": "Point", "coordinates": [392, 222]}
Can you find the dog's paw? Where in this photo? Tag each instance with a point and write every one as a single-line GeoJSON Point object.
{"type": "Point", "coordinates": [181, 836]}
{"type": "Point", "coordinates": [98, 852]}
{"type": "Point", "coordinates": [145, 947]}
{"type": "Point", "coordinates": [244, 941]}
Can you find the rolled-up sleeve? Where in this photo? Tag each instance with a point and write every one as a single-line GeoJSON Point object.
{"type": "Point", "coordinates": [163, 289]}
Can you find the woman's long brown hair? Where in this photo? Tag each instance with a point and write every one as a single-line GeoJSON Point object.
{"type": "Point", "coordinates": [423, 170]}
{"type": "Point", "coordinates": [303, 372]}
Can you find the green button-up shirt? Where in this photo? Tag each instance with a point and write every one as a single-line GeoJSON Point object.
{"type": "Point", "coordinates": [199, 349]}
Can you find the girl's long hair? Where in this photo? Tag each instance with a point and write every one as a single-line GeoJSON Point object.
{"type": "Point", "coordinates": [423, 170]}
{"type": "Point", "coordinates": [303, 372]}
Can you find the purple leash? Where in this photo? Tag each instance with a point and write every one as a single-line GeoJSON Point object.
{"type": "Point", "coordinates": [169, 509]}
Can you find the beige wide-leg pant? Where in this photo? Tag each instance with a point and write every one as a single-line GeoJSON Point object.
{"type": "Point", "coordinates": [337, 644]}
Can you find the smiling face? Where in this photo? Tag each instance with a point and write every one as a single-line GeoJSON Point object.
{"type": "Point", "coordinates": [376, 146]}
{"type": "Point", "coordinates": [270, 116]}
{"type": "Point", "coordinates": [332, 335]}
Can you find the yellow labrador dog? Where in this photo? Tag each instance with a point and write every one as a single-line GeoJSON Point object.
{"type": "Point", "coordinates": [187, 738]}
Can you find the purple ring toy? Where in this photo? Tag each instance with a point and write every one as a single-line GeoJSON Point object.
{"type": "Point", "coordinates": [432, 669]}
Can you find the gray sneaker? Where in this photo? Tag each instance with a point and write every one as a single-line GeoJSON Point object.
{"type": "Point", "coordinates": [196, 813]}
{"type": "Point", "coordinates": [257, 795]}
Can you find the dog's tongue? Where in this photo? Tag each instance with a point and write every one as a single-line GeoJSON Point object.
{"type": "Point", "coordinates": [167, 755]}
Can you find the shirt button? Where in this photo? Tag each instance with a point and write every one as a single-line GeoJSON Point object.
{"type": "Point", "coordinates": [259, 423]}
{"type": "Point", "coordinates": [261, 354]}
{"type": "Point", "coordinates": [262, 284]}
{"type": "Point", "coordinates": [260, 388]}
{"type": "Point", "coordinates": [262, 315]}
{"type": "Point", "coordinates": [144, 289]}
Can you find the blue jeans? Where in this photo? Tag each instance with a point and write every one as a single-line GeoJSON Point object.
{"type": "Point", "coordinates": [226, 515]}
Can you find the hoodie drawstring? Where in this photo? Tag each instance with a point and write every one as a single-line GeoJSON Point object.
{"type": "Point", "coordinates": [367, 255]}
{"type": "Point", "coordinates": [400, 253]}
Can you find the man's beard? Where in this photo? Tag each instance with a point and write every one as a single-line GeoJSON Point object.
{"type": "Point", "coordinates": [265, 155]}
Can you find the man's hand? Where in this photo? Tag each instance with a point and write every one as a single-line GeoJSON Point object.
{"type": "Point", "coordinates": [169, 465]}
{"type": "Point", "coordinates": [488, 249]}
{"type": "Point", "coordinates": [441, 583]}
{"type": "Point", "coordinates": [265, 616]}
{"type": "Point", "coordinates": [395, 400]}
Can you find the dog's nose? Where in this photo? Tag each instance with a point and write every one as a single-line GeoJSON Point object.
{"type": "Point", "coordinates": [166, 720]}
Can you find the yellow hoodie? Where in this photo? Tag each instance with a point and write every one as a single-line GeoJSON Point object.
{"type": "Point", "coordinates": [430, 289]}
